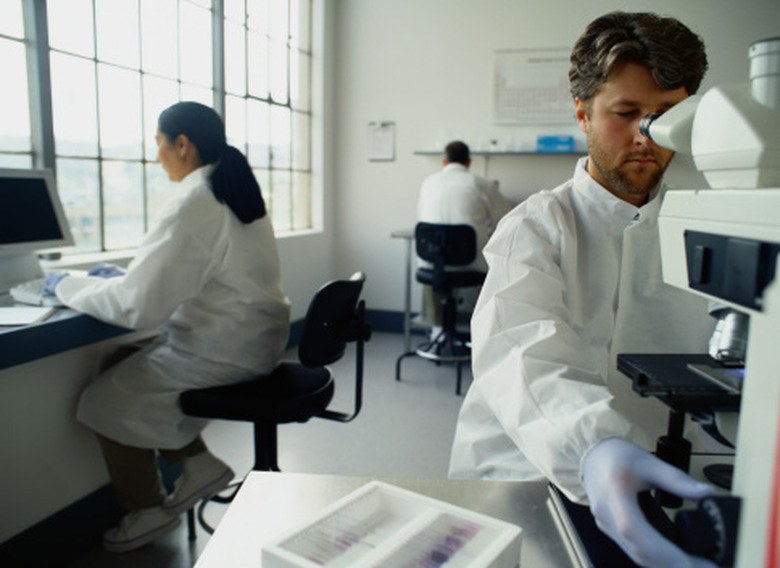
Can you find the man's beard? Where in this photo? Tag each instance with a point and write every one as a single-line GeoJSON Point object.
{"type": "Point", "coordinates": [619, 178]}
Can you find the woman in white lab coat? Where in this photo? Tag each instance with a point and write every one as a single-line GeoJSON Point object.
{"type": "Point", "coordinates": [207, 276]}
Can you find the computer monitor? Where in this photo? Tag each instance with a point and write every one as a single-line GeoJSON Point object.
{"type": "Point", "coordinates": [31, 220]}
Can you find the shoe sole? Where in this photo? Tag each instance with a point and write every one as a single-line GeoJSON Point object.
{"type": "Point", "coordinates": [142, 540]}
{"type": "Point", "coordinates": [204, 492]}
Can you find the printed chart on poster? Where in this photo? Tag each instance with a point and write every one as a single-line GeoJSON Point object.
{"type": "Point", "coordinates": [532, 87]}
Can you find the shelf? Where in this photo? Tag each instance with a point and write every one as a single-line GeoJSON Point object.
{"type": "Point", "coordinates": [488, 153]}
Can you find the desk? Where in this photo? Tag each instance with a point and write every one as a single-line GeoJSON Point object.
{"type": "Point", "coordinates": [43, 369]}
{"type": "Point", "coordinates": [271, 503]}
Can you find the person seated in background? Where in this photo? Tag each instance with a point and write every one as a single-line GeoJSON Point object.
{"type": "Point", "coordinates": [575, 279]}
{"type": "Point", "coordinates": [456, 196]}
{"type": "Point", "coordinates": [207, 275]}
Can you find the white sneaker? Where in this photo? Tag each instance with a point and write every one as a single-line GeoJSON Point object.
{"type": "Point", "coordinates": [139, 528]}
{"type": "Point", "coordinates": [202, 476]}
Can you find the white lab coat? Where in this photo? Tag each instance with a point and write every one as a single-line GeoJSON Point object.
{"type": "Point", "coordinates": [574, 280]}
{"type": "Point", "coordinates": [211, 284]}
{"type": "Point", "coordinates": [456, 196]}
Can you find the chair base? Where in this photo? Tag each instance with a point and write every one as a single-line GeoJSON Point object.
{"type": "Point", "coordinates": [446, 347]}
{"type": "Point", "coordinates": [197, 512]}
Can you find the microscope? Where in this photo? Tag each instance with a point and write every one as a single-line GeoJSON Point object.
{"type": "Point", "coordinates": [723, 243]}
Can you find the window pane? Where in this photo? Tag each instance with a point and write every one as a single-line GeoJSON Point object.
{"type": "Point", "coordinates": [199, 94]}
{"type": "Point", "coordinates": [15, 134]}
{"type": "Point", "coordinates": [70, 26]}
{"type": "Point", "coordinates": [74, 105]}
{"type": "Point", "coordinates": [281, 153]}
{"type": "Point", "coordinates": [120, 112]}
{"type": "Point", "coordinates": [300, 24]}
{"type": "Point", "coordinates": [234, 11]}
{"type": "Point", "coordinates": [258, 129]}
{"type": "Point", "coordinates": [15, 161]}
{"type": "Point", "coordinates": [195, 46]}
{"type": "Point", "coordinates": [117, 32]}
{"type": "Point", "coordinates": [11, 22]}
{"type": "Point", "coordinates": [79, 186]}
{"type": "Point", "coordinates": [278, 72]}
{"type": "Point", "coordinates": [159, 94]}
{"type": "Point", "coordinates": [300, 80]}
{"type": "Point", "coordinates": [257, 16]}
{"type": "Point", "coordinates": [281, 206]}
{"type": "Point", "coordinates": [301, 145]}
{"type": "Point", "coordinates": [263, 177]}
{"type": "Point", "coordinates": [159, 31]}
{"type": "Point", "coordinates": [235, 59]}
{"type": "Point", "coordinates": [258, 65]}
{"type": "Point", "coordinates": [159, 189]}
{"type": "Point", "coordinates": [123, 203]}
{"type": "Point", "coordinates": [278, 27]}
{"type": "Point", "coordinates": [301, 200]}
{"type": "Point", "coordinates": [235, 122]}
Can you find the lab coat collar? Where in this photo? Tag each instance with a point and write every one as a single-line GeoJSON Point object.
{"type": "Point", "coordinates": [197, 177]}
{"type": "Point", "coordinates": [455, 166]}
{"type": "Point", "coordinates": [612, 204]}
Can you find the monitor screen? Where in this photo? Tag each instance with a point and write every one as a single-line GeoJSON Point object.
{"type": "Point", "coordinates": [31, 215]}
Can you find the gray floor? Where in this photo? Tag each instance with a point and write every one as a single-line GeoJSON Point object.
{"type": "Point", "coordinates": [404, 430]}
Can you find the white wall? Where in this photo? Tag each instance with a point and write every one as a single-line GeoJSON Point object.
{"type": "Point", "coordinates": [426, 65]}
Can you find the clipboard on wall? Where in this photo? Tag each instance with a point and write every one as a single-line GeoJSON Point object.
{"type": "Point", "coordinates": [381, 141]}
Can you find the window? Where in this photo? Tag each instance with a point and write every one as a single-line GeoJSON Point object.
{"type": "Point", "coordinates": [16, 146]}
{"type": "Point", "coordinates": [267, 66]}
{"type": "Point", "coordinates": [114, 65]}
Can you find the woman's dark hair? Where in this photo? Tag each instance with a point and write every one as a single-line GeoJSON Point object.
{"type": "Point", "coordinates": [232, 181]}
{"type": "Point", "coordinates": [673, 53]}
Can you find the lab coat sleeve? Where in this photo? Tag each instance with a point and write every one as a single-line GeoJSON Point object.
{"type": "Point", "coordinates": [171, 266]}
{"type": "Point", "coordinates": [541, 379]}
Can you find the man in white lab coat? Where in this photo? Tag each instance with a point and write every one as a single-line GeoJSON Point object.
{"type": "Point", "coordinates": [455, 196]}
{"type": "Point", "coordinates": [574, 279]}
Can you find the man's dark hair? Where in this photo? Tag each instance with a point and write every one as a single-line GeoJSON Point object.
{"type": "Point", "coordinates": [673, 53]}
{"type": "Point", "coordinates": [457, 153]}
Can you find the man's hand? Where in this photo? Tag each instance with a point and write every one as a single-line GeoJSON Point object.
{"type": "Point", "coordinates": [614, 472]}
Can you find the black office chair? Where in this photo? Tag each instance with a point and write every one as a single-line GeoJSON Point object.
{"type": "Point", "coordinates": [294, 391]}
{"type": "Point", "coordinates": [446, 246]}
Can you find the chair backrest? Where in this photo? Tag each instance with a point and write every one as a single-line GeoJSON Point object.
{"type": "Point", "coordinates": [330, 321]}
{"type": "Point", "coordinates": [336, 316]}
{"type": "Point", "coordinates": [446, 245]}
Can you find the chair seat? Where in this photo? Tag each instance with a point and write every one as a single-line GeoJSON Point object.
{"type": "Point", "coordinates": [450, 278]}
{"type": "Point", "coordinates": [291, 393]}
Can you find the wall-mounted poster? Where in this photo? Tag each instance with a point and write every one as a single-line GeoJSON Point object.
{"type": "Point", "coordinates": [532, 87]}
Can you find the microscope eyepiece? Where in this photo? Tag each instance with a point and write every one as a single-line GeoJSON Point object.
{"type": "Point", "coordinates": [645, 122]}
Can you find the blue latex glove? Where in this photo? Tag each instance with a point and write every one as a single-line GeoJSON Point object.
{"type": "Point", "coordinates": [104, 270]}
{"type": "Point", "coordinates": [52, 279]}
{"type": "Point", "coordinates": [614, 472]}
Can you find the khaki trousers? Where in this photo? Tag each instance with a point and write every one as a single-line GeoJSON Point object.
{"type": "Point", "coordinates": [134, 473]}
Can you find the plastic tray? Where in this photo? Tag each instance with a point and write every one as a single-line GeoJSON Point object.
{"type": "Point", "coordinates": [383, 525]}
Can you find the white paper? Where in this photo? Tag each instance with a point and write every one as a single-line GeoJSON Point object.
{"type": "Point", "coordinates": [24, 315]}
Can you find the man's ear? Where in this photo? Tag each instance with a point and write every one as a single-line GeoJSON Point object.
{"type": "Point", "coordinates": [581, 112]}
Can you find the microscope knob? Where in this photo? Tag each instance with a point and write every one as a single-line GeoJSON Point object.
{"type": "Point", "coordinates": [711, 529]}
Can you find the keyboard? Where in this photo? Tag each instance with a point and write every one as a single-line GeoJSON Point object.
{"type": "Point", "coordinates": [31, 292]}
